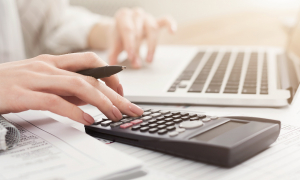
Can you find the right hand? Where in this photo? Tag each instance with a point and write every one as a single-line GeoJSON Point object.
{"type": "Point", "coordinates": [48, 82]}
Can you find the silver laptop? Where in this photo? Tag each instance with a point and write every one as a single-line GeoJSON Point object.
{"type": "Point", "coordinates": [213, 75]}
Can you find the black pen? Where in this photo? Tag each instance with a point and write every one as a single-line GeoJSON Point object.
{"type": "Point", "coordinates": [102, 72]}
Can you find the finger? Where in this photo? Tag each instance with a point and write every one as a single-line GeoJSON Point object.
{"type": "Point", "coordinates": [115, 49]}
{"type": "Point", "coordinates": [80, 88]}
{"type": "Point", "coordinates": [80, 61]}
{"type": "Point", "coordinates": [138, 19]}
{"type": "Point", "coordinates": [126, 28]}
{"type": "Point", "coordinates": [55, 104]}
{"type": "Point", "coordinates": [74, 100]}
{"type": "Point", "coordinates": [151, 36]}
{"type": "Point", "coordinates": [121, 103]}
{"type": "Point", "coordinates": [168, 22]}
{"type": "Point", "coordinates": [117, 100]}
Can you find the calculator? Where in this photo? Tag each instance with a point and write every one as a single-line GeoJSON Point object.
{"type": "Point", "coordinates": [222, 141]}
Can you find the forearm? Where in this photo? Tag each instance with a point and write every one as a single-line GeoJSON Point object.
{"type": "Point", "coordinates": [100, 35]}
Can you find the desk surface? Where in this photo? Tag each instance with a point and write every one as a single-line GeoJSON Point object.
{"type": "Point", "coordinates": [246, 28]}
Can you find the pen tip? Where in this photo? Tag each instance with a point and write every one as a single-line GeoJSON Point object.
{"type": "Point", "coordinates": [123, 67]}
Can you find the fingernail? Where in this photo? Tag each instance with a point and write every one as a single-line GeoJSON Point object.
{"type": "Point", "coordinates": [174, 28]}
{"type": "Point", "coordinates": [88, 118]}
{"type": "Point", "coordinates": [149, 58]}
{"type": "Point", "coordinates": [117, 113]}
{"type": "Point", "coordinates": [136, 110]}
{"type": "Point", "coordinates": [120, 90]}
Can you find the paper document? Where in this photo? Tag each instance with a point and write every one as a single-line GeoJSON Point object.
{"type": "Point", "coordinates": [280, 161]}
{"type": "Point", "coordinates": [51, 150]}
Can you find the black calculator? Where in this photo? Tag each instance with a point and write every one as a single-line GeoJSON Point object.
{"type": "Point", "coordinates": [222, 141]}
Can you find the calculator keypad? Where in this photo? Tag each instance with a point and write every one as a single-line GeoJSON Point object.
{"type": "Point", "coordinates": [159, 122]}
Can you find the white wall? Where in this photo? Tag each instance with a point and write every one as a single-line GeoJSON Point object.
{"type": "Point", "coordinates": [189, 10]}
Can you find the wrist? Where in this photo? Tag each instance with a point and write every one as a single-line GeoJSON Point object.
{"type": "Point", "coordinates": [101, 34]}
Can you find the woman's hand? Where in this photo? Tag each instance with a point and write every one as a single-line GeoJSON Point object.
{"type": "Point", "coordinates": [49, 83]}
{"type": "Point", "coordinates": [127, 31]}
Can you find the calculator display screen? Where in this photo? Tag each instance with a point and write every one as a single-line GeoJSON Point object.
{"type": "Point", "coordinates": [217, 131]}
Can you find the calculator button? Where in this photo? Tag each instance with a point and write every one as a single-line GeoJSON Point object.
{"type": "Point", "coordinates": [206, 119]}
{"type": "Point", "coordinates": [116, 124]}
{"type": "Point", "coordinates": [176, 116]}
{"type": "Point", "coordinates": [162, 131]}
{"type": "Point", "coordinates": [161, 126]}
{"type": "Point", "coordinates": [146, 113]}
{"type": "Point", "coordinates": [155, 110]}
{"type": "Point", "coordinates": [106, 123]}
{"type": "Point", "coordinates": [168, 119]}
{"type": "Point", "coordinates": [144, 124]}
{"type": "Point", "coordinates": [168, 115]}
{"type": "Point", "coordinates": [153, 130]}
{"type": "Point", "coordinates": [164, 112]}
{"type": "Point", "coordinates": [177, 120]}
{"type": "Point", "coordinates": [144, 129]}
{"type": "Point", "coordinates": [213, 117]}
{"type": "Point", "coordinates": [126, 125]}
{"type": "Point", "coordinates": [153, 125]}
{"type": "Point", "coordinates": [105, 119]}
{"type": "Point", "coordinates": [170, 123]}
{"type": "Point", "coordinates": [125, 116]}
{"type": "Point", "coordinates": [192, 115]}
{"type": "Point", "coordinates": [174, 133]}
{"type": "Point", "coordinates": [194, 118]}
{"type": "Point", "coordinates": [185, 118]}
{"type": "Point", "coordinates": [184, 114]}
{"type": "Point", "coordinates": [201, 116]}
{"type": "Point", "coordinates": [155, 114]}
{"type": "Point", "coordinates": [175, 113]}
{"type": "Point", "coordinates": [161, 122]}
{"type": "Point", "coordinates": [98, 121]}
{"type": "Point", "coordinates": [146, 118]}
{"type": "Point", "coordinates": [127, 120]}
{"type": "Point", "coordinates": [137, 121]}
{"type": "Point", "coordinates": [180, 130]}
{"type": "Point", "coordinates": [137, 127]}
{"type": "Point", "coordinates": [191, 124]}
{"type": "Point", "coordinates": [152, 121]}
{"type": "Point", "coordinates": [160, 118]}
{"type": "Point", "coordinates": [171, 128]}
{"type": "Point", "coordinates": [146, 109]}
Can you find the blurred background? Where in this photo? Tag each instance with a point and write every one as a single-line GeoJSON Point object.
{"type": "Point", "coordinates": [215, 22]}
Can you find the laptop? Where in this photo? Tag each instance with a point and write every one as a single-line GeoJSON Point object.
{"type": "Point", "coordinates": [217, 75]}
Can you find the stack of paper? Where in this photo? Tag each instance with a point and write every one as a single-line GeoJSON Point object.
{"type": "Point", "coordinates": [51, 150]}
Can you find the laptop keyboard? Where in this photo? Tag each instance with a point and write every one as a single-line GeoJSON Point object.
{"type": "Point", "coordinates": [216, 82]}
{"type": "Point", "coordinates": [264, 77]}
{"type": "Point", "coordinates": [232, 85]}
{"type": "Point", "coordinates": [187, 73]}
{"type": "Point", "coordinates": [251, 76]}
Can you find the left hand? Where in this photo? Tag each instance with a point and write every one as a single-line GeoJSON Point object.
{"type": "Point", "coordinates": [127, 31]}
{"type": "Point", "coordinates": [132, 26]}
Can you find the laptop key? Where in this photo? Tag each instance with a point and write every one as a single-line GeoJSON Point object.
{"type": "Point", "coordinates": [249, 91]}
{"type": "Point", "coordinates": [264, 92]}
{"type": "Point", "coordinates": [213, 90]}
{"type": "Point", "coordinates": [231, 91]}
{"type": "Point", "coordinates": [172, 90]}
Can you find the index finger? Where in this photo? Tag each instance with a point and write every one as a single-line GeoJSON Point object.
{"type": "Point", "coordinates": [79, 61]}
{"type": "Point", "coordinates": [126, 29]}
{"type": "Point", "coordinates": [169, 22]}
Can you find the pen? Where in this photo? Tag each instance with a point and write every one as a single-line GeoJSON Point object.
{"type": "Point", "coordinates": [102, 72]}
